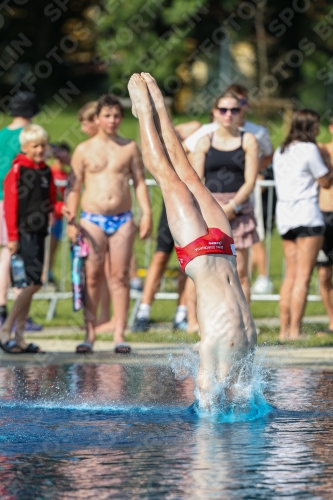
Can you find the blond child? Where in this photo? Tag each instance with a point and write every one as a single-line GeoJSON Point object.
{"type": "Point", "coordinates": [29, 198]}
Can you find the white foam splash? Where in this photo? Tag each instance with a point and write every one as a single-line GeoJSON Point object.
{"type": "Point", "coordinates": [240, 397]}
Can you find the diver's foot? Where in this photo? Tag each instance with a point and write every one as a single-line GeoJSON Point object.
{"type": "Point", "coordinates": [139, 94]}
{"type": "Point", "coordinates": [283, 336]}
{"type": "Point", "coordinates": [106, 327]}
{"type": "Point", "coordinates": [154, 90]}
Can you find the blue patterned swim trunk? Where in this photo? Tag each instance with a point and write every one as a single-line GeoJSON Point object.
{"type": "Point", "coordinates": [109, 224]}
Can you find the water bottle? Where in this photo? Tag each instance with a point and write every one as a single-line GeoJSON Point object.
{"type": "Point", "coordinates": [19, 277]}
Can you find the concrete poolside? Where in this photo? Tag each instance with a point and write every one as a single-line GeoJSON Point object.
{"type": "Point", "coordinates": [62, 352]}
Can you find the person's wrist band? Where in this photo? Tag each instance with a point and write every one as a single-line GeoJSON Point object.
{"type": "Point", "coordinates": [236, 208]}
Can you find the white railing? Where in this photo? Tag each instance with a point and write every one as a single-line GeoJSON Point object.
{"type": "Point", "coordinates": [64, 293]}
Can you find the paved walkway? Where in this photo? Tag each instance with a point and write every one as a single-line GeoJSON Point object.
{"type": "Point", "coordinates": [63, 351]}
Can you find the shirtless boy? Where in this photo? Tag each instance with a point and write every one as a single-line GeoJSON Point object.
{"type": "Point", "coordinates": [86, 116]}
{"type": "Point", "coordinates": [325, 256]}
{"type": "Point", "coordinates": [203, 242]}
{"type": "Point", "coordinates": [104, 164]}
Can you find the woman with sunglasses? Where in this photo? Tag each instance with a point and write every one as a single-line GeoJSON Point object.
{"type": "Point", "coordinates": [299, 171]}
{"type": "Point", "coordinates": [228, 161]}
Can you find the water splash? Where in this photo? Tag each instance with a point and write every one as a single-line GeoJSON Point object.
{"type": "Point", "coordinates": [91, 407]}
{"type": "Point", "coordinates": [185, 365]}
{"type": "Point", "coordinates": [239, 398]}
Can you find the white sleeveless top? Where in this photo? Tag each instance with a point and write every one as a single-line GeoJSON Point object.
{"type": "Point", "coordinates": [296, 171]}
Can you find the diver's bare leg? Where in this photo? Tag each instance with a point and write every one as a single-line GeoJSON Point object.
{"type": "Point", "coordinates": [185, 220]}
{"type": "Point", "coordinates": [210, 209]}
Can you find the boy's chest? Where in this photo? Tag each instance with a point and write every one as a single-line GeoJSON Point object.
{"type": "Point", "coordinates": [109, 162]}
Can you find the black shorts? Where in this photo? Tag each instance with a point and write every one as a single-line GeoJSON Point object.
{"type": "Point", "coordinates": [31, 249]}
{"type": "Point", "coordinates": [303, 232]}
{"type": "Point", "coordinates": [325, 256]}
{"type": "Point", "coordinates": [268, 176]}
{"type": "Point", "coordinates": [165, 241]}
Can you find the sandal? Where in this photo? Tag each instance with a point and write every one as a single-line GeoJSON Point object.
{"type": "Point", "coordinates": [33, 349]}
{"type": "Point", "coordinates": [122, 348]}
{"type": "Point", "coordinates": [84, 348]}
{"type": "Point", "coordinates": [11, 347]}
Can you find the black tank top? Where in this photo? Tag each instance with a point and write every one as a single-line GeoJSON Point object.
{"type": "Point", "coordinates": [224, 170]}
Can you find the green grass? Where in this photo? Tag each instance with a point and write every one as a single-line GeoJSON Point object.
{"type": "Point", "coordinates": [267, 337]}
{"type": "Point", "coordinates": [65, 127]}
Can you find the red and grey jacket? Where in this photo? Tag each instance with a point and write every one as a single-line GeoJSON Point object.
{"type": "Point", "coordinates": [29, 197]}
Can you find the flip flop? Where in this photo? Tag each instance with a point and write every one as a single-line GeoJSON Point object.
{"type": "Point", "coordinates": [11, 347]}
{"type": "Point", "coordinates": [33, 349]}
{"type": "Point", "coordinates": [122, 348]}
{"type": "Point", "coordinates": [84, 348]}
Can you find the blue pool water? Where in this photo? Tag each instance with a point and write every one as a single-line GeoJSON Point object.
{"type": "Point", "coordinates": [127, 431]}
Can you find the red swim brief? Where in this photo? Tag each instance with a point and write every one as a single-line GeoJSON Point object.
{"type": "Point", "coordinates": [215, 241]}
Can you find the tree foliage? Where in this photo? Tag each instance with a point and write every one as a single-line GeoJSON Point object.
{"type": "Point", "coordinates": [99, 43]}
{"type": "Point", "coordinates": [145, 36]}
{"type": "Point", "coordinates": [52, 42]}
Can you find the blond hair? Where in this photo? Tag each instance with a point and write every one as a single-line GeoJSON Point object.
{"type": "Point", "coordinates": [87, 112]}
{"type": "Point", "coordinates": [33, 133]}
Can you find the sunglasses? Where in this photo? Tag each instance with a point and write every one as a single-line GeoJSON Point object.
{"type": "Point", "coordinates": [233, 111]}
{"type": "Point", "coordinates": [243, 101]}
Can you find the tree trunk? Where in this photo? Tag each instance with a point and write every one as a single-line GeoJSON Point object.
{"type": "Point", "coordinates": [261, 46]}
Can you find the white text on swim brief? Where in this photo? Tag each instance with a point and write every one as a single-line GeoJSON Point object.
{"type": "Point", "coordinates": [212, 247]}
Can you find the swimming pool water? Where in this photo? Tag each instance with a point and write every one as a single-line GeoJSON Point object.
{"type": "Point", "coordinates": [124, 431]}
